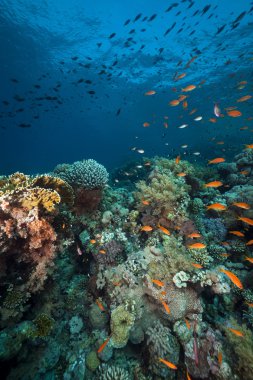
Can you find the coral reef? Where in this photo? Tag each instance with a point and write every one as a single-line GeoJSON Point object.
{"type": "Point", "coordinates": [101, 282]}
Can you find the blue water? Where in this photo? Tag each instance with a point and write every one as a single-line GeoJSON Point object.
{"type": "Point", "coordinates": [56, 43]}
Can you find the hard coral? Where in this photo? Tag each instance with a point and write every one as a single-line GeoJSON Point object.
{"type": "Point", "coordinates": [121, 323]}
{"type": "Point", "coordinates": [107, 372]}
{"type": "Point", "coordinates": [168, 197]}
{"type": "Point", "coordinates": [87, 174]}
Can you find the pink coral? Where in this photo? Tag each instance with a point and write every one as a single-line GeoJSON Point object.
{"type": "Point", "coordinates": [27, 242]}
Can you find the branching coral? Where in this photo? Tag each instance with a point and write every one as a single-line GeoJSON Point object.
{"type": "Point", "coordinates": [168, 197]}
{"type": "Point", "coordinates": [87, 174]}
{"type": "Point", "coordinates": [106, 372]}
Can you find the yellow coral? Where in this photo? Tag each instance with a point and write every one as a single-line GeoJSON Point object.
{"type": "Point", "coordinates": [37, 197]}
{"type": "Point", "coordinates": [121, 323]}
{"type": "Point", "coordinates": [13, 182]}
{"type": "Point", "coordinates": [54, 183]}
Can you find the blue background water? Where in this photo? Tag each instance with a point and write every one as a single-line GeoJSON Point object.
{"type": "Point", "coordinates": [36, 36]}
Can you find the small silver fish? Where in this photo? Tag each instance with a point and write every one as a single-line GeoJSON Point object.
{"type": "Point", "coordinates": [183, 126]}
{"type": "Point", "coordinates": [198, 118]}
{"type": "Point", "coordinates": [140, 151]}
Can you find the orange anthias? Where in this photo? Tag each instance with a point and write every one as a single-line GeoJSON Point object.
{"type": "Point", "coordinates": [217, 160]}
{"type": "Point", "coordinates": [233, 278]}
{"type": "Point", "coordinates": [146, 228]}
{"type": "Point", "coordinates": [234, 113]}
{"type": "Point", "coordinates": [217, 207]}
{"type": "Point", "coordinates": [214, 184]}
{"type": "Point", "coordinates": [197, 246]}
{"type": "Point", "coordinates": [236, 332]}
{"type": "Point", "coordinates": [168, 364]}
{"type": "Point", "coordinates": [164, 230]}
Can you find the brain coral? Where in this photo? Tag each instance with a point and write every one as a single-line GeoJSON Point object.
{"type": "Point", "coordinates": [88, 174]}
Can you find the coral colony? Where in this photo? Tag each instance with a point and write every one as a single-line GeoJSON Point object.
{"type": "Point", "coordinates": [150, 280]}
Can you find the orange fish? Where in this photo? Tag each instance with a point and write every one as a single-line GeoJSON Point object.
{"type": "Point", "coordinates": [102, 251]}
{"type": "Point", "coordinates": [164, 230]}
{"type": "Point", "coordinates": [217, 207]}
{"type": "Point", "coordinates": [194, 235]}
{"type": "Point", "coordinates": [249, 304]}
{"type": "Point", "coordinates": [151, 92]}
{"type": "Point", "coordinates": [103, 345]}
{"type": "Point", "coordinates": [250, 259]}
{"type": "Point", "coordinates": [244, 172]}
{"type": "Point", "coordinates": [158, 283]}
{"type": "Point", "coordinates": [236, 332]}
{"type": "Point", "coordinates": [147, 228]}
{"type": "Point", "coordinates": [233, 278]}
{"type": "Point", "coordinates": [244, 98]}
{"type": "Point", "coordinates": [189, 88]}
{"type": "Point", "coordinates": [188, 325]}
{"type": "Point", "coordinates": [214, 184]}
{"type": "Point", "coordinates": [237, 233]}
{"type": "Point", "coordinates": [180, 76]}
{"type": "Point", "coordinates": [167, 363]}
{"type": "Point", "coordinates": [220, 358]}
{"type": "Point", "coordinates": [246, 220]}
{"type": "Point", "coordinates": [185, 104]}
{"type": "Point", "coordinates": [250, 242]}
{"type": "Point", "coordinates": [220, 143]}
{"type": "Point", "coordinates": [182, 97]}
{"type": "Point", "coordinates": [182, 174]}
{"type": "Point", "coordinates": [198, 266]}
{"type": "Point", "coordinates": [145, 203]}
{"type": "Point", "coordinates": [177, 159]}
{"type": "Point", "coordinates": [249, 146]}
{"type": "Point", "coordinates": [93, 241]}
{"type": "Point", "coordinates": [165, 125]}
{"type": "Point", "coordinates": [243, 205]}
{"type": "Point", "coordinates": [100, 305]}
{"type": "Point", "coordinates": [146, 124]}
{"type": "Point", "coordinates": [197, 246]}
{"type": "Point", "coordinates": [174, 103]}
{"type": "Point", "coordinates": [234, 113]}
{"type": "Point", "coordinates": [166, 307]}
{"type": "Point", "coordinates": [188, 376]}
{"type": "Point", "coordinates": [213, 120]}
{"type": "Point", "coordinates": [163, 293]}
{"type": "Point", "coordinates": [217, 160]}
{"type": "Point", "coordinates": [193, 111]}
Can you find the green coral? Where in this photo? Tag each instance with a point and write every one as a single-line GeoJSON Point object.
{"type": "Point", "coordinates": [14, 299]}
{"type": "Point", "coordinates": [42, 326]}
{"type": "Point", "coordinates": [92, 361]}
{"type": "Point", "coordinates": [201, 257]}
{"type": "Point", "coordinates": [167, 194]}
{"type": "Point", "coordinates": [121, 322]}
{"type": "Point", "coordinates": [243, 348]}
